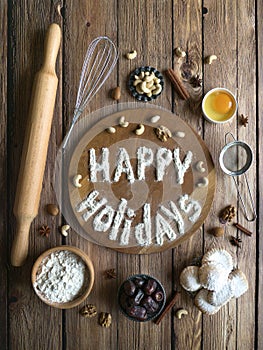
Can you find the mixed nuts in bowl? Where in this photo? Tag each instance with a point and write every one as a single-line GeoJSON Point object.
{"type": "Point", "coordinates": [141, 297]}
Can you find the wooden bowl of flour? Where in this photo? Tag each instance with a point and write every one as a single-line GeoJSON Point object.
{"type": "Point", "coordinates": [63, 277]}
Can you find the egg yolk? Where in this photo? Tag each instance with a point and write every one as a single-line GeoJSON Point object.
{"type": "Point", "coordinates": [222, 103]}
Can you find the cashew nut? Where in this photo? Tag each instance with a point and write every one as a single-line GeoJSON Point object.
{"type": "Point", "coordinates": [123, 123]}
{"type": "Point", "coordinates": [139, 90]}
{"type": "Point", "coordinates": [150, 84]}
{"type": "Point", "coordinates": [180, 313]}
{"type": "Point", "coordinates": [149, 94]}
{"type": "Point", "coordinates": [149, 77]}
{"type": "Point", "coordinates": [180, 134]}
{"type": "Point", "coordinates": [76, 180]}
{"type": "Point", "coordinates": [155, 119]}
{"type": "Point", "coordinates": [152, 88]}
{"type": "Point", "coordinates": [111, 130]}
{"type": "Point", "coordinates": [210, 59]}
{"type": "Point", "coordinates": [200, 166]}
{"type": "Point", "coordinates": [140, 129]}
{"type": "Point", "coordinates": [64, 230]}
{"type": "Point", "coordinates": [179, 52]}
{"type": "Point", "coordinates": [158, 89]}
{"type": "Point", "coordinates": [131, 55]}
{"type": "Point", "coordinates": [141, 75]}
{"type": "Point", "coordinates": [136, 82]}
{"type": "Point", "coordinates": [144, 88]}
{"type": "Point", "coordinates": [203, 182]}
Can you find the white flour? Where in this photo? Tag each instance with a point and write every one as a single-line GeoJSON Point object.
{"type": "Point", "coordinates": [61, 277]}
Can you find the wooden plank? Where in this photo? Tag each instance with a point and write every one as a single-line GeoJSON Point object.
{"type": "Point", "coordinates": [220, 35]}
{"type": "Point", "coordinates": [259, 124]}
{"type": "Point", "coordinates": [84, 21]}
{"type": "Point", "coordinates": [187, 34]}
{"type": "Point", "coordinates": [28, 315]}
{"type": "Point", "coordinates": [142, 25]}
{"type": "Point", "coordinates": [247, 106]}
{"type": "Point", "coordinates": [3, 175]}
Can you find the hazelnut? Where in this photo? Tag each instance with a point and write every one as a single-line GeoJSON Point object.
{"type": "Point", "coordinates": [52, 209]}
{"type": "Point", "coordinates": [217, 231]}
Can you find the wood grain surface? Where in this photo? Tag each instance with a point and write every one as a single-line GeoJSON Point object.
{"type": "Point", "coordinates": [232, 30]}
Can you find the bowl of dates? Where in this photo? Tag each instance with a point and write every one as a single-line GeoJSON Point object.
{"type": "Point", "coordinates": [141, 298]}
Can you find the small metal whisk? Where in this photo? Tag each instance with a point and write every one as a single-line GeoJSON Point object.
{"type": "Point", "coordinates": [98, 64]}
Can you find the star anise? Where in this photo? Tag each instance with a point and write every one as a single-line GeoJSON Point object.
{"type": "Point", "coordinates": [44, 230]}
{"type": "Point", "coordinates": [196, 81]}
{"type": "Point", "coordinates": [110, 274]}
{"type": "Point", "coordinates": [236, 241]}
{"type": "Point", "coordinates": [243, 120]}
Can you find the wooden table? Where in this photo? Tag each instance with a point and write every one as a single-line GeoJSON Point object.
{"type": "Point", "coordinates": [232, 30]}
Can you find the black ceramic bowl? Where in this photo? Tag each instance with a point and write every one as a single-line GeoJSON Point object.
{"type": "Point", "coordinates": [141, 298]}
{"type": "Point", "coordinates": [144, 97]}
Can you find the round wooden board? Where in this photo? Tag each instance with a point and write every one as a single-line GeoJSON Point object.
{"type": "Point", "coordinates": [157, 193]}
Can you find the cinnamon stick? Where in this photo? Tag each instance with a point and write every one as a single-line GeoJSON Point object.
{"type": "Point", "coordinates": [243, 229]}
{"type": "Point", "coordinates": [168, 307]}
{"type": "Point", "coordinates": [175, 80]}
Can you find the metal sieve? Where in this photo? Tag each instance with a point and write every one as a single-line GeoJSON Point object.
{"type": "Point", "coordinates": [235, 159]}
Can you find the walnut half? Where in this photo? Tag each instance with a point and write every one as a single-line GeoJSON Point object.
{"type": "Point", "coordinates": [163, 133]}
{"type": "Point", "coordinates": [88, 311]}
{"type": "Point", "coordinates": [105, 319]}
{"type": "Point", "coordinates": [227, 214]}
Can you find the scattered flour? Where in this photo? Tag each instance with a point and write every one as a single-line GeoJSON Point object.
{"type": "Point", "coordinates": [61, 277]}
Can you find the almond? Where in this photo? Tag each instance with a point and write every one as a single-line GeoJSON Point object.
{"type": "Point", "coordinates": [116, 93]}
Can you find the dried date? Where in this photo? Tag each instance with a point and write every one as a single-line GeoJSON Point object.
{"type": "Point", "coordinates": [149, 304]}
{"type": "Point", "coordinates": [150, 287]}
{"type": "Point", "coordinates": [137, 312]}
{"type": "Point", "coordinates": [129, 288]}
{"type": "Point", "coordinates": [138, 296]}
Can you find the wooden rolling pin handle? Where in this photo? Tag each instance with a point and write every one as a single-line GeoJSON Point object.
{"type": "Point", "coordinates": [51, 47]}
{"type": "Point", "coordinates": [20, 244]}
{"type": "Point", "coordinates": [35, 146]}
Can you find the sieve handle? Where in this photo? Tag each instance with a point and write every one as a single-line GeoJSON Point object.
{"type": "Point", "coordinates": [238, 192]}
{"type": "Point", "coordinates": [242, 202]}
{"type": "Point", "coordinates": [229, 134]}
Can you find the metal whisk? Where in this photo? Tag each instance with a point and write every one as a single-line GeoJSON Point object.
{"type": "Point", "coordinates": [99, 62]}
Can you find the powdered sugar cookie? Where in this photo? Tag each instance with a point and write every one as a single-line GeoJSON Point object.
{"type": "Point", "coordinates": [222, 297]}
{"type": "Point", "coordinates": [239, 283]}
{"type": "Point", "coordinates": [213, 276]}
{"type": "Point", "coordinates": [201, 301]}
{"type": "Point", "coordinates": [219, 256]}
{"type": "Point", "coordinates": [189, 279]}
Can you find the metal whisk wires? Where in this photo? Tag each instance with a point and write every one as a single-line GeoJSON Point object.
{"type": "Point", "coordinates": [98, 64]}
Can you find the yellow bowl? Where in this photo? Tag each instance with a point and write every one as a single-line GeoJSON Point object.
{"type": "Point", "coordinates": [219, 105]}
{"type": "Point", "coordinates": [86, 288]}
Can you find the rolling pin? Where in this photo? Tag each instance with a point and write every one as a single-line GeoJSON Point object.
{"type": "Point", "coordinates": [35, 146]}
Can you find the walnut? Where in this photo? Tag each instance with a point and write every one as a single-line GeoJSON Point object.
{"type": "Point", "coordinates": [88, 311]}
{"type": "Point", "coordinates": [105, 319]}
{"type": "Point", "coordinates": [163, 133]}
{"type": "Point", "coordinates": [227, 214]}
